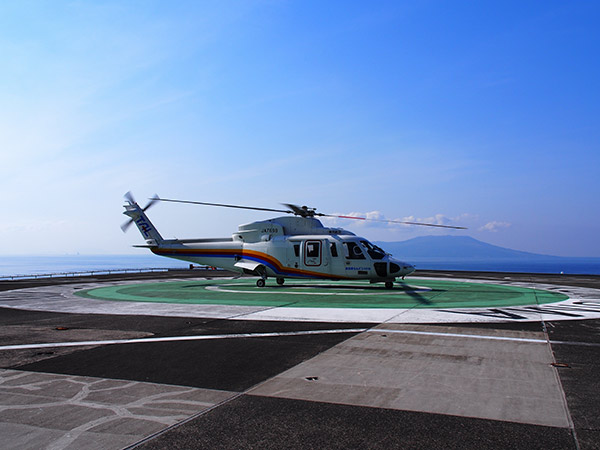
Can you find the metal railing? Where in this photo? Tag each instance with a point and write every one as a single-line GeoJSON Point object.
{"type": "Point", "coordinates": [96, 272]}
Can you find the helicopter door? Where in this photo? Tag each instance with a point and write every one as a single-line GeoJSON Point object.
{"type": "Point", "coordinates": [312, 253]}
{"type": "Point", "coordinates": [293, 254]}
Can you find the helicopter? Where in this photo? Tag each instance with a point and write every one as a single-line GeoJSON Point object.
{"type": "Point", "coordinates": [296, 246]}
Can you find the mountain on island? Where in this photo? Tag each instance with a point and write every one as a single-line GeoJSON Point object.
{"type": "Point", "coordinates": [454, 247]}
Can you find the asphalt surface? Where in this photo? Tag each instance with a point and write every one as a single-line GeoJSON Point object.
{"type": "Point", "coordinates": [231, 365]}
{"type": "Point", "coordinates": [247, 420]}
{"type": "Point", "coordinates": [272, 423]}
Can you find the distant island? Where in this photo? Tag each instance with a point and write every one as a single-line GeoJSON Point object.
{"type": "Point", "coordinates": [453, 247]}
{"type": "Point", "coordinates": [467, 253]}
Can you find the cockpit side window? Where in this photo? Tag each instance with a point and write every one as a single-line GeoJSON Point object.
{"type": "Point", "coordinates": [373, 251]}
{"type": "Point", "coordinates": [353, 250]}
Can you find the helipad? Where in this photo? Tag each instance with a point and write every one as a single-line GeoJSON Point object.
{"type": "Point", "coordinates": [416, 300]}
{"type": "Point", "coordinates": [318, 294]}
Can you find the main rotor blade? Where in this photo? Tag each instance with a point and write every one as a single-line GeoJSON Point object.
{"type": "Point", "coordinates": [395, 221]}
{"type": "Point", "coordinates": [255, 208]}
{"type": "Point", "coordinates": [301, 211]}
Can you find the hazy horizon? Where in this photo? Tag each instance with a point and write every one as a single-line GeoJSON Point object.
{"type": "Point", "coordinates": [145, 251]}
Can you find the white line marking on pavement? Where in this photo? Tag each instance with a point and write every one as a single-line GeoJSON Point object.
{"type": "Point", "coordinates": [477, 336]}
{"type": "Point", "coordinates": [281, 334]}
{"type": "Point", "coordinates": [471, 336]}
{"type": "Point", "coordinates": [180, 338]}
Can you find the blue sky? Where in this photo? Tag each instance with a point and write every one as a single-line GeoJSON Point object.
{"type": "Point", "coordinates": [476, 114]}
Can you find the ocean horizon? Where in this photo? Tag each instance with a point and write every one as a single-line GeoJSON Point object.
{"type": "Point", "coordinates": [12, 266]}
{"type": "Point", "coordinates": [549, 265]}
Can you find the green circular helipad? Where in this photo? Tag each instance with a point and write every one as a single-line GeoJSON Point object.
{"type": "Point", "coordinates": [323, 294]}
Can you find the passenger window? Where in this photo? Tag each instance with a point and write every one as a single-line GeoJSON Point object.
{"type": "Point", "coordinates": [312, 253]}
{"type": "Point", "coordinates": [297, 250]}
{"type": "Point", "coordinates": [333, 248]}
{"type": "Point", "coordinates": [312, 249]}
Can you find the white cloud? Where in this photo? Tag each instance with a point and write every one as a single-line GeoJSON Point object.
{"type": "Point", "coordinates": [344, 218]}
{"type": "Point", "coordinates": [378, 219]}
{"type": "Point", "coordinates": [437, 219]}
{"type": "Point", "coordinates": [494, 226]}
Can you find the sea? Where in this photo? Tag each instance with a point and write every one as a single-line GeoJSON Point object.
{"type": "Point", "coordinates": [557, 265]}
{"type": "Point", "coordinates": [17, 266]}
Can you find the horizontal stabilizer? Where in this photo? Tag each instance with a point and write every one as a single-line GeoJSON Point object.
{"type": "Point", "coordinates": [247, 264]}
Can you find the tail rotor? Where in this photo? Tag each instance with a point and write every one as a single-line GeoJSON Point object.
{"type": "Point", "coordinates": [129, 198]}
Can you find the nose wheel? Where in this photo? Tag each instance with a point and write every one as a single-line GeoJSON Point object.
{"type": "Point", "coordinates": [389, 284]}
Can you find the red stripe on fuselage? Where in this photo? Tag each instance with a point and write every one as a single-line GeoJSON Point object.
{"type": "Point", "coordinates": [227, 253]}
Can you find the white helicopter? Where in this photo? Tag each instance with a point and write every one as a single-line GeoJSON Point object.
{"type": "Point", "coordinates": [284, 247]}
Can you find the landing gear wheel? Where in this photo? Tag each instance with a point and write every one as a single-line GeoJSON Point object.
{"type": "Point", "coordinates": [389, 284]}
{"type": "Point", "coordinates": [260, 282]}
{"type": "Point", "coordinates": [280, 281]}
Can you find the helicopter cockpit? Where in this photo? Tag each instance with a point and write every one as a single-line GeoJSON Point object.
{"type": "Point", "coordinates": [356, 250]}
{"type": "Point", "coordinates": [353, 250]}
{"type": "Point", "coordinates": [373, 251]}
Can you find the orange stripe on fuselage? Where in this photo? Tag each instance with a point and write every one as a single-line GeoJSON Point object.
{"type": "Point", "coordinates": [215, 252]}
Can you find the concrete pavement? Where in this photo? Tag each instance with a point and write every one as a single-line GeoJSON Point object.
{"type": "Point", "coordinates": [518, 383]}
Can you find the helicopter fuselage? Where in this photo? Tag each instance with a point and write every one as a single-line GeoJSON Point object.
{"type": "Point", "coordinates": [283, 247]}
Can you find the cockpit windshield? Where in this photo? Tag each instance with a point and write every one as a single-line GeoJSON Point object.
{"type": "Point", "coordinates": [373, 251]}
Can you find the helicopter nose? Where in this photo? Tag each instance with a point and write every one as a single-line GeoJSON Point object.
{"type": "Point", "coordinates": [400, 268]}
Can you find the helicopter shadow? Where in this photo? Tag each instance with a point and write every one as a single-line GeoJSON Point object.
{"type": "Point", "coordinates": [401, 288]}
{"type": "Point", "coordinates": [330, 287]}
{"type": "Point", "coordinates": [408, 290]}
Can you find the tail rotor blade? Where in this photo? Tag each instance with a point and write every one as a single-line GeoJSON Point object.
{"type": "Point", "coordinates": [152, 202]}
{"type": "Point", "coordinates": [126, 225]}
{"type": "Point", "coordinates": [132, 204]}
{"type": "Point", "coordinates": [129, 197]}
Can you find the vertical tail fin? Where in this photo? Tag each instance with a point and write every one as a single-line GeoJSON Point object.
{"type": "Point", "coordinates": [137, 215]}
